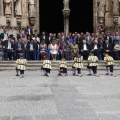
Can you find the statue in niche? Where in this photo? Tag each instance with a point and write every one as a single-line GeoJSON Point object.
{"type": "Point", "coordinates": [31, 8]}
{"type": "Point", "coordinates": [18, 8]}
{"type": "Point", "coordinates": [115, 7]}
{"type": "Point", "coordinates": [101, 8]}
{"type": "Point", "coordinates": [108, 13]}
{"type": "Point", "coordinates": [8, 8]}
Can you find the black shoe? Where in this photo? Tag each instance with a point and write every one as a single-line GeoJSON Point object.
{"type": "Point", "coordinates": [45, 74]}
{"type": "Point", "coordinates": [73, 74]}
{"type": "Point", "coordinates": [17, 74]}
{"type": "Point", "coordinates": [89, 74]}
{"type": "Point", "coordinates": [107, 74]}
{"type": "Point", "coordinates": [59, 74]}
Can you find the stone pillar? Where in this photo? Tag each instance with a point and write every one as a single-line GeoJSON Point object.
{"type": "Point", "coordinates": [13, 19]}
{"type": "Point", "coordinates": [37, 18]}
{"type": "Point", "coordinates": [37, 21]}
{"type": "Point", "coordinates": [66, 13]}
{"type": "Point", "coordinates": [95, 16]}
{"type": "Point", "coordinates": [108, 14]}
{"type": "Point", "coordinates": [2, 17]}
{"type": "Point", "coordinates": [24, 22]}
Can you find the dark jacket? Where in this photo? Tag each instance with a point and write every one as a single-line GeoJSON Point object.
{"type": "Point", "coordinates": [110, 47]}
{"type": "Point", "coordinates": [31, 31]}
{"type": "Point", "coordinates": [92, 46]}
{"type": "Point", "coordinates": [81, 46]}
{"type": "Point", "coordinates": [35, 46]}
{"type": "Point", "coordinates": [5, 45]}
{"type": "Point", "coordinates": [2, 36]}
{"type": "Point", "coordinates": [110, 38]}
{"type": "Point", "coordinates": [22, 46]}
{"type": "Point", "coordinates": [46, 39]}
{"type": "Point", "coordinates": [19, 36]}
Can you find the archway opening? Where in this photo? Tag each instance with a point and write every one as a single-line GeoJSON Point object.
{"type": "Point", "coordinates": [81, 16]}
{"type": "Point", "coordinates": [51, 16]}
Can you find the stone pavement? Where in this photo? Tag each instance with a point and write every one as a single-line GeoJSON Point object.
{"type": "Point", "coordinates": [36, 97]}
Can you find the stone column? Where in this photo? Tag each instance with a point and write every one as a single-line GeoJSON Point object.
{"type": "Point", "coordinates": [2, 17]}
{"type": "Point", "coordinates": [37, 21]}
{"type": "Point", "coordinates": [108, 14]}
{"type": "Point", "coordinates": [95, 16]}
{"type": "Point", "coordinates": [13, 19]}
{"type": "Point", "coordinates": [37, 18]}
{"type": "Point", "coordinates": [66, 13]}
{"type": "Point", "coordinates": [24, 22]}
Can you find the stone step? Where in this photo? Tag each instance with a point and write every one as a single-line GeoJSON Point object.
{"type": "Point", "coordinates": [53, 68]}
{"type": "Point", "coordinates": [53, 62]}
{"type": "Point", "coordinates": [53, 65]}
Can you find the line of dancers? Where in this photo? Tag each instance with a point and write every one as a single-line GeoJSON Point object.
{"type": "Point", "coordinates": [76, 66]}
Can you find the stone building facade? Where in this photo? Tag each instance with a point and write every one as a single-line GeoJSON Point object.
{"type": "Point", "coordinates": [17, 14]}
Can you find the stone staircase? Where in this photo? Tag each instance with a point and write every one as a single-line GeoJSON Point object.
{"type": "Point", "coordinates": [36, 65]}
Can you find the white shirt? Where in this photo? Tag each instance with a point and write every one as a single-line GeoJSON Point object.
{"type": "Point", "coordinates": [107, 45]}
{"type": "Point", "coordinates": [84, 47]}
{"type": "Point", "coordinates": [9, 45]}
{"type": "Point", "coordinates": [38, 40]}
{"type": "Point", "coordinates": [5, 37]}
{"type": "Point", "coordinates": [31, 46]}
{"type": "Point", "coordinates": [29, 31]}
{"type": "Point", "coordinates": [44, 37]}
{"type": "Point", "coordinates": [95, 47]}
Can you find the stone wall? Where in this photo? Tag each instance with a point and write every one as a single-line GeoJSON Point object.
{"type": "Point", "coordinates": [16, 14]}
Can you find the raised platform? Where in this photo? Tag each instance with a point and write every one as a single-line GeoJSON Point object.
{"type": "Point", "coordinates": [36, 65]}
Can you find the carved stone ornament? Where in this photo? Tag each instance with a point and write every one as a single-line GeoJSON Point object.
{"type": "Point", "coordinates": [66, 12]}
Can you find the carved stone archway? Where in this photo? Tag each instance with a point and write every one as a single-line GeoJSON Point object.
{"type": "Point", "coordinates": [105, 12]}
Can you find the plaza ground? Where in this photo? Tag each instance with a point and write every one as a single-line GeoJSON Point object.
{"type": "Point", "coordinates": [36, 97]}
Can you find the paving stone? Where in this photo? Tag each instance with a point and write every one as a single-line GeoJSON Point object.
{"type": "Point", "coordinates": [36, 97]}
{"type": "Point", "coordinates": [29, 108]}
{"type": "Point", "coordinates": [47, 117]}
{"type": "Point", "coordinates": [22, 118]}
{"type": "Point", "coordinates": [4, 117]}
{"type": "Point", "coordinates": [109, 117]}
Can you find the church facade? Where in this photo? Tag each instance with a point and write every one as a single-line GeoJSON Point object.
{"type": "Point", "coordinates": [17, 14]}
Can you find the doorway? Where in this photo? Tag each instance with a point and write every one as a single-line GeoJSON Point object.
{"type": "Point", "coordinates": [51, 16]}
{"type": "Point", "coordinates": [81, 16]}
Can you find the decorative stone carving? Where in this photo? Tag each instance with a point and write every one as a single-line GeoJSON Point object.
{"type": "Point", "coordinates": [66, 12]}
{"type": "Point", "coordinates": [8, 8]}
{"type": "Point", "coordinates": [32, 11]}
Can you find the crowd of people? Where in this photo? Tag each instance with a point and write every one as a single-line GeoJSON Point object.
{"type": "Point", "coordinates": [35, 46]}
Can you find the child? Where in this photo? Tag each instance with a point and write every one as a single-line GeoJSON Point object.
{"type": "Point", "coordinates": [47, 66]}
{"type": "Point", "coordinates": [21, 62]}
{"type": "Point", "coordinates": [63, 67]}
{"type": "Point", "coordinates": [92, 64]}
{"type": "Point", "coordinates": [109, 62]}
{"type": "Point", "coordinates": [78, 64]}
